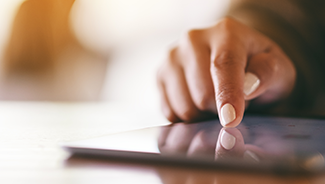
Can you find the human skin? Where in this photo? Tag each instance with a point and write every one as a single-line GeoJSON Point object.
{"type": "Point", "coordinates": [216, 70]}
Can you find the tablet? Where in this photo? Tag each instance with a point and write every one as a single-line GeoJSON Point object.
{"type": "Point", "coordinates": [259, 144]}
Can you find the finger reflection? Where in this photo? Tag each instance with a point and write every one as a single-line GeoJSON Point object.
{"type": "Point", "coordinates": [251, 143]}
{"type": "Point", "coordinates": [203, 144]}
{"type": "Point", "coordinates": [251, 156]}
{"type": "Point", "coordinates": [208, 141]}
{"type": "Point", "coordinates": [177, 139]}
{"type": "Point", "coordinates": [230, 144]}
{"type": "Point", "coordinates": [180, 176]}
{"type": "Point", "coordinates": [192, 140]}
{"type": "Point", "coordinates": [227, 140]}
{"type": "Point", "coordinates": [314, 162]}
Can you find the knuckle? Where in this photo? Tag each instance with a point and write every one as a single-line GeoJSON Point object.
{"type": "Point", "coordinates": [271, 67]}
{"type": "Point", "coordinates": [172, 57]}
{"type": "Point", "coordinates": [170, 116]}
{"type": "Point", "coordinates": [226, 24]}
{"type": "Point", "coordinates": [205, 101]}
{"type": "Point", "coordinates": [160, 74]}
{"type": "Point", "coordinates": [225, 59]}
{"type": "Point", "coordinates": [230, 30]}
{"type": "Point", "coordinates": [188, 115]}
{"type": "Point", "coordinates": [193, 36]}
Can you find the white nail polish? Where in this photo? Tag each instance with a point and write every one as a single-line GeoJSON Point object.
{"type": "Point", "coordinates": [228, 114]}
{"type": "Point", "coordinates": [228, 141]}
{"type": "Point", "coordinates": [251, 83]}
{"type": "Point", "coordinates": [250, 156]}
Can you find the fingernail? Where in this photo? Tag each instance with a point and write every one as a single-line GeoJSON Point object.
{"type": "Point", "coordinates": [250, 156]}
{"type": "Point", "coordinates": [228, 114]}
{"type": "Point", "coordinates": [227, 140]}
{"type": "Point", "coordinates": [251, 83]}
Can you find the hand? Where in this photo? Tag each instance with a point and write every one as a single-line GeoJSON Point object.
{"type": "Point", "coordinates": [215, 70]}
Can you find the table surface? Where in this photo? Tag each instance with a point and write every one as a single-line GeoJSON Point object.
{"type": "Point", "coordinates": [29, 152]}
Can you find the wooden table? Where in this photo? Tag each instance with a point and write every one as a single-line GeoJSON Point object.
{"type": "Point", "coordinates": [29, 151]}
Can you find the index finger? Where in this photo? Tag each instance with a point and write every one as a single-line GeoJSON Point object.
{"type": "Point", "coordinates": [230, 51]}
{"type": "Point", "coordinates": [228, 72]}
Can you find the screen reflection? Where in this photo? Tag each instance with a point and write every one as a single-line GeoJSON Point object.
{"type": "Point", "coordinates": [280, 142]}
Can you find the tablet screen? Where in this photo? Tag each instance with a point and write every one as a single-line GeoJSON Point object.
{"type": "Point", "coordinates": [260, 143]}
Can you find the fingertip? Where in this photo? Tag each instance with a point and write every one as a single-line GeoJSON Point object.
{"type": "Point", "coordinates": [228, 114]}
{"type": "Point", "coordinates": [229, 117]}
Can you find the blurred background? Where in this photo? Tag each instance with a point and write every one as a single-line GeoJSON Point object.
{"type": "Point", "coordinates": [111, 53]}
{"type": "Point", "coordinates": [75, 69]}
{"type": "Point", "coordinates": [82, 62]}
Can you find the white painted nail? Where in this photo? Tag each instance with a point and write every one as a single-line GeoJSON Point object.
{"type": "Point", "coordinates": [228, 114]}
{"type": "Point", "coordinates": [228, 141]}
{"type": "Point", "coordinates": [251, 83]}
{"type": "Point", "coordinates": [250, 156]}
